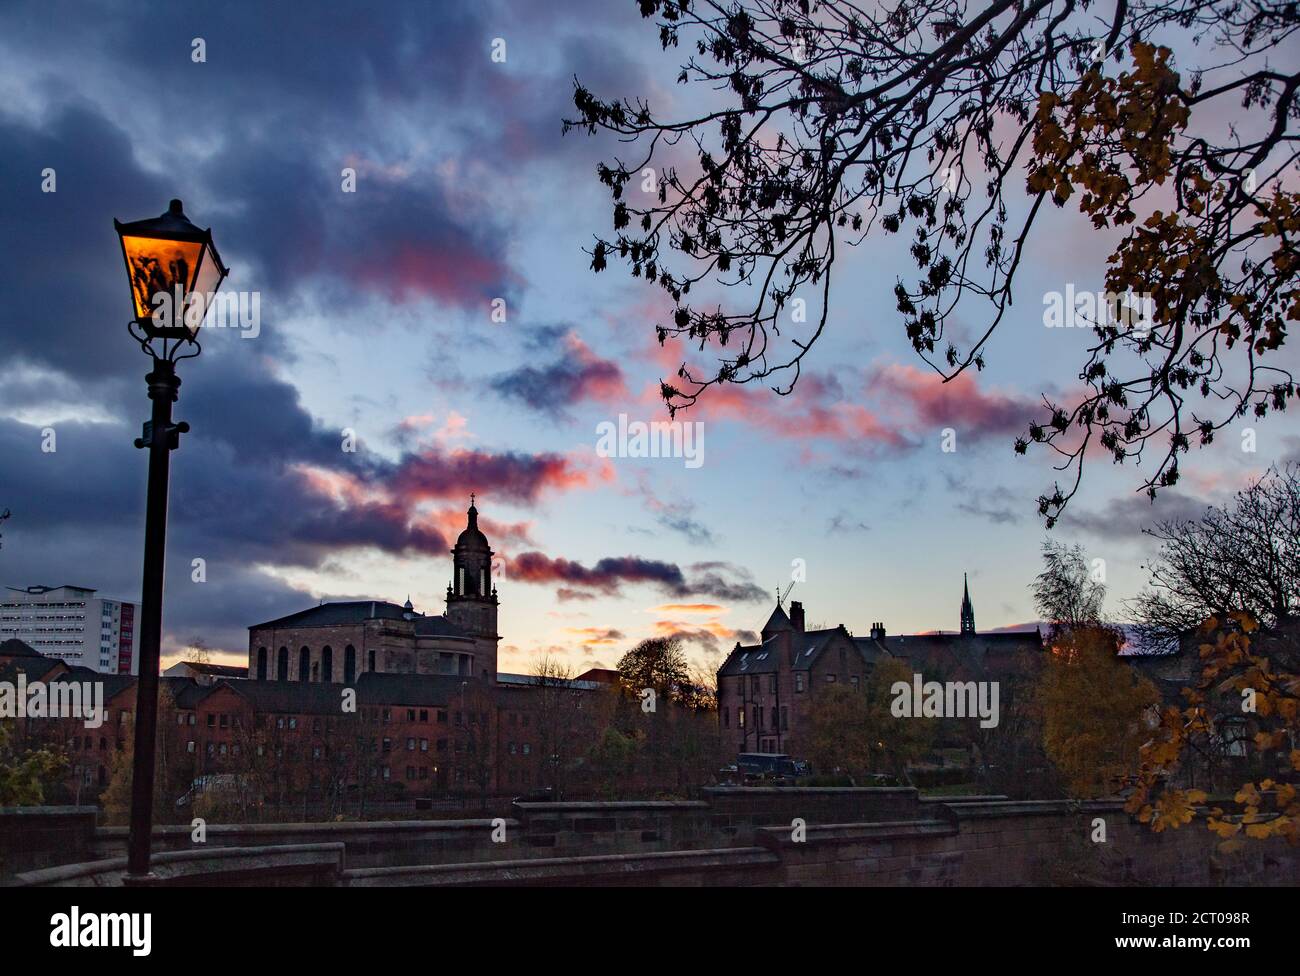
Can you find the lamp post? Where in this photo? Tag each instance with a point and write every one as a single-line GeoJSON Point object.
{"type": "Point", "coordinates": [174, 272]}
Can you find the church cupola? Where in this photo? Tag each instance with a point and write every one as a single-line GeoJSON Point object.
{"type": "Point", "coordinates": [967, 609]}
{"type": "Point", "coordinates": [471, 597]}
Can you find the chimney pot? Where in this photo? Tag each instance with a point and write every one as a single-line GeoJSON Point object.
{"type": "Point", "coordinates": [796, 615]}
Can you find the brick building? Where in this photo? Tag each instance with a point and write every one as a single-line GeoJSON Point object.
{"type": "Point", "coordinates": [767, 692]}
{"type": "Point", "coordinates": [345, 702]}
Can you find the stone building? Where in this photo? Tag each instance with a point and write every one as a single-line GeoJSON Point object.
{"type": "Point", "coordinates": [767, 692]}
{"type": "Point", "coordinates": [337, 642]}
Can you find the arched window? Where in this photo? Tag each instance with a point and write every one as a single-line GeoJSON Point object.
{"type": "Point", "coordinates": [372, 661]}
{"type": "Point", "coordinates": [282, 665]}
{"type": "Point", "coordinates": [304, 665]}
{"type": "Point", "coordinates": [327, 664]}
{"type": "Point", "coordinates": [261, 664]}
{"type": "Point", "coordinates": [349, 664]}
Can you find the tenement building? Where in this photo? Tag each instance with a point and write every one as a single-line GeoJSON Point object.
{"type": "Point", "coordinates": [768, 692]}
{"type": "Point", "coordinates": [336, 642]}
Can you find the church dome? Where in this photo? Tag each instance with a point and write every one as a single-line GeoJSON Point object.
{"type": "Point", "coordinates": [472, 537]}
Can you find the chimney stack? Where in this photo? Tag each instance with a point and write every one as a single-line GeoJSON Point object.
{"type": "Point", "coordinates": [796, 615]}
{"type": "Point", "coordinates": [878, 631]}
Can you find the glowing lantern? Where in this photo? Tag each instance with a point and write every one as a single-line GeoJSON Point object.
{"type": "Point", "coordinates": [174, 272]}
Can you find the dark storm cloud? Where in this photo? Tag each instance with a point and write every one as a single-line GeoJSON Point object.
{"type": "Point", "coordinates": [610, 574]}
{"type": "Point", "coordinates": [255, 141]}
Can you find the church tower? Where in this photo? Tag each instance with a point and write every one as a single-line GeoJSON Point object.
{"type": "Point", "coordinates": [967, 609]}
{"type": "Point", "coordinates": [471, 595]}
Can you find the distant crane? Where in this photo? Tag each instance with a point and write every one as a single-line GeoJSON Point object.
{"type": "Point", "coordinates": [782, 594]}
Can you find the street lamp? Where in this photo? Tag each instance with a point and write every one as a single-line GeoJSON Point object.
{"type": "Point", "coordinates": [174, 271]}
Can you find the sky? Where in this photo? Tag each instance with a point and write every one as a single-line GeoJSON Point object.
{"type": "Point", "coordinates": [377, 331]}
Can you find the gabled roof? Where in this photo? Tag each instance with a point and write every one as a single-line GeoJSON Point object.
{"type": "Point", "coordinates": [13, 647]}
{"type": "Point", "coordinates": [956, 654]}
{"type": "Point", "coordinates": [311, 698]}
{"type": "Point", "coordinates": [755, 659]}
{"type": "Point", "coordinates": [35, 668]}
{"type": "Point", "coordinates": [358, 611]}
{"type": "Point", "coordinates": [346, 612]}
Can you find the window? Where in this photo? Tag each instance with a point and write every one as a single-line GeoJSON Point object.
{"type": "Point", "coordinates": [327, 663]}
{"type": "Point", "coordinates": [424, 745]}
{"type": "Point", "coordinates": [740, 718]}
{"type": "Point", "coordinates": [772, 684]}
{"type": "Point", "coordinates": [785, 718]}
{"type": "Point", "coordinates": [527, 749]}
{"type": "Point", "coordinates": [388, 745]}
{"type": "Point", "coordinates": [282, 665]}
{"type": "Point", "coordinates": [798, 681]}
{"type": "Point", "coordinates": [225, 721]}
{"type": "Point", "coordinates": [830, 678]}
{"type": "Point", "coordinates": [726, 718]}
{"type": "Point", "coordinates": [775, 723]}
{"type": "Point", "coordinates": [189, 747]}
{"type": "Point", "coordinates": [512, 748]}
{"type": "Point", "coordinates": [304, 665]}
{"type": "Point", "coordinates": [424, 715]}
{"type": "Point", "coordinates": [349, 664]}
{"type": "Point", "coordinates": [293, 721]}
{"type": "Point", "coordinates": [212, 720]}
{"type": "Point", "coordinates": [410, 744]}
{"type": "Point", "coordinates": [753, 684]}
{"type": "Point", "coordinates": [410, 714]}
{"type": "Point", "coordinates": [261, 664]}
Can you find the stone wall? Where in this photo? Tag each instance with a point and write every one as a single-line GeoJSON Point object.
{"type": "Point", "coordinates": [30, 837]}
{"type": "Point", "coordinates": [740, 836]}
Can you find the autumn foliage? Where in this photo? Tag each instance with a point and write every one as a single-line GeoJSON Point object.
{"type": "Point", "coordinates": [1247, 682]}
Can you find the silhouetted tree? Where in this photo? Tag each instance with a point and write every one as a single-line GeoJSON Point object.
{"type": "Point", "coordinates": [1239, 557]}
{"type": "Point", "coordinates": [829, 122]}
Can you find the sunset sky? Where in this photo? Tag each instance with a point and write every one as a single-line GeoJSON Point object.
{"type": "Point", "coordinates": [376, 317]}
